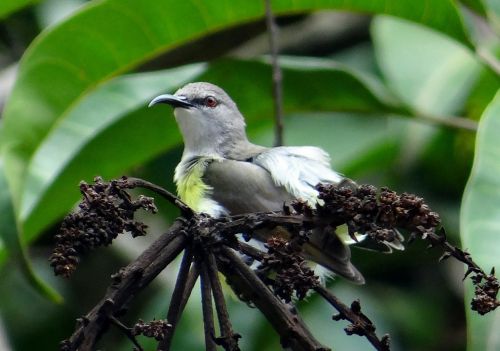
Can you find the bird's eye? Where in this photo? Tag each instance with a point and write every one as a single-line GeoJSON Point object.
{"type": "Point", "coordinates": [210, 101]}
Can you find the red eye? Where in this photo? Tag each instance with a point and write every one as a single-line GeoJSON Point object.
{"type": "Point", "coordinates": [210, 101]}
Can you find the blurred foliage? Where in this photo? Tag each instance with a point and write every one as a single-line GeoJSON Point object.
{"type": "Point", "coordinates": [73, 113]}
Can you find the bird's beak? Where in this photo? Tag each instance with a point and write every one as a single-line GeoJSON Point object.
{"type": "Point", "coordinates": [172, 100]}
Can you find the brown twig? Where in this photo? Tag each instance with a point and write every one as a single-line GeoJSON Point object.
{"type": "Point", "coordinates": [186, 211]}
{"type": "Point", "coordinates": [127, 331]}
{"type": "Point", "coordinates": [486, 285]}
{"type": "Point", "coordinates": [126, 284]}
{"type": "Point", "coordinates": [291, 328]}
{"type": "Point", "coordinates": [181, 293]}
{"type": "Point", "coordinates": [194, 273]}
{"type": "Point", "coordinates": [272, 30]}
{"type": "Point", "coordinates": [206, 302]}
{"type": "Point", "coordinates": [228, 338]}
{"type": "Point", "coordinates": [361, 325]}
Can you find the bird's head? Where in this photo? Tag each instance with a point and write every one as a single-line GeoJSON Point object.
{"type": "Point", "coordinates": [208, 118]}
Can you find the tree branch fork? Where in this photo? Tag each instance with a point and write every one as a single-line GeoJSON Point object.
{"type": "Point", "coordinates": [210, 245]}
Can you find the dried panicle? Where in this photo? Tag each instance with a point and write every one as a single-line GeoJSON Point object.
{"type": "Point", "coordinates": [485, 294]}
{"type": "Point", "coordinates": [364, 210]}
{"type": "Point", "coordinates": [293, 277]}
{"type": "Point", "coordinates": [154, 329]}
{"type": "Point", "coordinates": [380, 214]}
{"type": "Point", "coordinates": [105, 211]}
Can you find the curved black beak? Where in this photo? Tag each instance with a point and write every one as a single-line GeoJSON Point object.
{"type": "Point", "coordinates": [172, 100]}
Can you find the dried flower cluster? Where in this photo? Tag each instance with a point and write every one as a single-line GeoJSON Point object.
{"type": "Point", "coordinates": [154, 329]}
{"type": "Point", "coordinates": [485, 294]}
{"type": "Point", "coordinates": [105, 211]}
{"type": "Point", "coordinates": [293, 276]}
{"type": "Point", "coordinates": [379, 215]}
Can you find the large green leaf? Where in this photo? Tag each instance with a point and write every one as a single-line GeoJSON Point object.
{"type": "Point", "coordinates": [111, 130]}
{"type": "Point", "coordinates": [480, 222]}
{"type": "Point", "coordinates": [427, 70]}
{"type": "Point", "coordinates": [430, 73]}
{"type": "Point", "coordinates": [112, 36]}
{"type": "Point", "coordinates": [9, 6]}
{"type": "Point", "coordinates": [12, 240]}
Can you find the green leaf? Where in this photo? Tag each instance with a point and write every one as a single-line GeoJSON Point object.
{"type": "Point", "coordinates": [493, 10]}
{"type": "Point", "coordinates": [11, 238]}
{"type": "Point", "coordinates": [480, 223]}
{"type": "Point", "coordinates": [124, 133]}
{"type": "Point", "coordinates": [428, 71]}
{"type": "Point", "coordinates": [109, 37]}
{"type": "Point", "coordinates": [475, 5]}
{"type": "Point", "coordinates": [441, 15]}
{"type": "Point", "coordinates": [8, 7]}
{"type": "Point", "coordinates": [482, 93]}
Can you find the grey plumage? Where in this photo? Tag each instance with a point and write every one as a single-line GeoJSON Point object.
{"type": "Point", "coordinates": [240, 177]}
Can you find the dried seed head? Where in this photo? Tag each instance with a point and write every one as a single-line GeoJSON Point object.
{"type": "Point", "coordinates": [106, 210]}
{"type": "Point", "coordinates": [154, 329]}
{"type": "Point", "coordinates": [292, 276]}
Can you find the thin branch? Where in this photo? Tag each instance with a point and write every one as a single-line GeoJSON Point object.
{"type": "Point", "coordinates": [126, 284]}
{"type": "Point", "coordinates": [186, 211]}
{"type": "Point", "coordinates": [127, 331]}
{"type": "Point", "coordinates": [489, 60]}
{"type": "Point", "coordinates": [272, 30]}
{"type": "Point", "coordinates": [361, 325]}
{"type": "Point", "coordinates": [206, 302]}
{"type": "Point", "coordinates": [486, 286]}
{"type": "Point", "coordinates": [181, 293]}
{"type": "Point", "coordinates": [289, 325]}
{"type": "Point", "coordinates": [228, 338]}
{"type": "Point", "coordinates": [452, 122]}
{"type": "Point", "coordinates": [194, 273]}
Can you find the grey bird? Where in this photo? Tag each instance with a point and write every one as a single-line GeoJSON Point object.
{"type": "Point", "coordinates": [221, 172]}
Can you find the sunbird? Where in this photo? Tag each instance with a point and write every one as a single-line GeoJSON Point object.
{"type": "Point", "coordinates": [222, 173]}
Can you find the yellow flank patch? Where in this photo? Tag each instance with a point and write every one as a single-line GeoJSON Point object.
{"type": "Point", "coordinates": [191, 187]}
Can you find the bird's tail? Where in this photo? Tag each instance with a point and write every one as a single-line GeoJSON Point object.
{"type": "Point", "coordinates": [325, 248]}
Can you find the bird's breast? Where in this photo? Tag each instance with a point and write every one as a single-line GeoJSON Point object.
{"type": "Point", "coordinates": [193, 190]}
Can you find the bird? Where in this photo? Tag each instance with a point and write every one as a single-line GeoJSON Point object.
{"type": "Point", "coordinates": [222, 173]}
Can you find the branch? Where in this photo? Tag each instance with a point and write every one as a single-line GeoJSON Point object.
{"type": "Point", "coordinates": [126, 284]}
{"type": "Point", "coordinates": [486, 285]}
{"type": "Point", "coordinates": [186, 211]}
{"type": "Point", "coordinates": [228, 338]}
{"type": "Point", "coordinates": [277, 75]}
{"type": "Point", "coordinates": [292, 330]}
{"type": "Point", "coordinates": [452, 122]}
{"type": "Point", "coordinates": [127, 331]}
{"type": "Point", "coordinates": [181, 293]}
{"type": "Point", "coordinates": [206, 302]}
{"type": "Point", "coordinates": [361, 325]}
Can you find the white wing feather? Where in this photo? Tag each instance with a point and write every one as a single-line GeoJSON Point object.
{"type": "Point", "coordinates": [299, 169]}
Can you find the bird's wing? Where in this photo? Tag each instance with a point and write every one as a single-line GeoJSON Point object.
{"type": "Point", "coordinates": [244, 187]}
{"type": "Point", "coordinates": [298, 169]}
